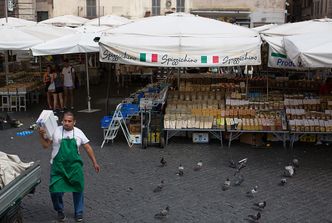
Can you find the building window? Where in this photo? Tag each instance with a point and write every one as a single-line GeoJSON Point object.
{"type": "Point", "coordinates": [155, 7]}
{"type": "Point", "coordinates": [91, 8]}
{"type": "Point", "coordinates": [180, 5]}
{"type": "Point", "coordinates": [42, 15]}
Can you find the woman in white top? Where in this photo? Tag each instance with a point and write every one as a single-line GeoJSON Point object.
{"type": "Point", "coordinates": [68, 73]}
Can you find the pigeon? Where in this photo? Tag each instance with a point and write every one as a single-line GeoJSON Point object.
{"type": "Point", "coordinates": [243, 161]}
{"type": "Point", "coordinates": [180, 168]}
{"type": "Point", "coordinates": [198, 166]}
{"type": "Point", "coordinates": [239, 181]}
{"type": "Point", "coordinates": [162, 214]}
{"type": "Point", "coordinates": [283, 182]}
{"type": "Point", "coordinates": [159, 187]}
{"type": "Point", "coordinates": [226, 185]}
{"type": "Point", "coordinates": [232, 164]}
{"type": "Point", "coordinates": [241, 164]}
{"type": "Point", "coordinates": [130, 189]}
{"type": "Point", "coordinates": [255, 217]}
{"type": "Point", "coordinates": [252, 192]}
{"type": "Point", "coordinates": [163, 162]}
{"type": "Point", "coordinates": [295, 163]}
{"type": "Point", "coordinates": [289, 171]}
{"type": "Point", "coordinates": [261, 205]}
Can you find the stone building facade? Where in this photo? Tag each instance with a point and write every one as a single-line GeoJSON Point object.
{"type": "Point", "coordinates": [310, 9]}
{"type": "Point", "coordinates": [25, 9]}
{"type": "Point", "coordinates": [244, 12]}
{"type": "Point", "coordinates": [249, 13]}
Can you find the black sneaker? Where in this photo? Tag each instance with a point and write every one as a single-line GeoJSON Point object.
{"type": "Point", "coordinates": [61, 217]}
{"type": "Point", "coordinates": [79, 218]}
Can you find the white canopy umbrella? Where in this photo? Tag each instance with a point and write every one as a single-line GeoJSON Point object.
{"type": "Point", "coordinates": [311, 50]}
{"type": "Point", "coordinates": [274, 37]}
{"type": "Point", "coordinates": [12, 38]}
{"type": "Point", "coordinates": [23, 38]}
{"type": "Point", "coordinates": [108, 20]}
{"type": "Point", "coordinates": [47, 32]}
{"type": "Point", "coordinates": [12, 21]}
{"type": "Point", "coordinates": [82, 41]}
{"type": "Point", "coordinates": [297, 28]}
{"type": "Point", "coordinates": [65, 20]}
{"type": "Point", "coordinates": [181, 40]}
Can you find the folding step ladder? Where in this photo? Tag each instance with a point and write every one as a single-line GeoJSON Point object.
{"type": "Point", "coordinates": [121, 114]}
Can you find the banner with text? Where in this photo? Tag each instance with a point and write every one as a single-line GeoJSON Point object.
{"type": "Point", "coordinates": [278, 59]}
{"type": "Point", "coordinates": [110, 54]}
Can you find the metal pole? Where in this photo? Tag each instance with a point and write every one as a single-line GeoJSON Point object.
{"type": "Point", "coordinates": [178, 79]}
{"type": "Point", "coordinates": [6, 65]}
{"type": "Point", "coordinates": [40, 64]}
{"type": "Point", "coordinates": [98, 12]}
{"type": "Point", "coordinates": [87, 81]}
{"type": "Point", "coordinates": [267, 86]}
{"type": "Point", "coordinates": [6, 10]}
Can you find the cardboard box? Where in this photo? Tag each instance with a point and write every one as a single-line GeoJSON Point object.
{"type": "Point", "coordinates": [48, 121]}
{"type": "Point", "coordinates": [200, 137]}
{"type": "Point", "coordinates": [252, 139]}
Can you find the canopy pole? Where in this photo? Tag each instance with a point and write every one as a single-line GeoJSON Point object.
{"type": "Point", "coordinates": [98, 12]}
{"type": "Point", "coordinates": [87, 81]}
{"type": "Point", "coordinates": [89, 110]}
{"type": "Point", "coordinates": [40, 64]}
{"type": "Point", "coordinates": [267, 85]}
{"type": "Point", "coordinates": [247, 83]}
{"type": "Point", "coordinates": [6, 66]}
{"type": "Point", "coordinates": [6, 10]}
{"type": "Point", "coordinates": [178, 78]}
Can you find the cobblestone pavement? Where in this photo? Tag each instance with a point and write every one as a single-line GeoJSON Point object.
{"type": "Point", "coordinates": [122, 191]}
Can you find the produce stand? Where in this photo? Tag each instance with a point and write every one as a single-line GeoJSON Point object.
{"type": "Point", "coordinates": [134, 116]}
{"type": "Point", "coordinates": [151, 109]}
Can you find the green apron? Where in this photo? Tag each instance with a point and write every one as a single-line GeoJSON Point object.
{"type": "Point", "coordinates": [67, 168]}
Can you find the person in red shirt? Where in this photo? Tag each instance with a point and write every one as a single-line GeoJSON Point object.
{"type": "Point", "coordinates": [326, 88]}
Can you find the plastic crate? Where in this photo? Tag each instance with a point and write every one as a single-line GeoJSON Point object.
{"type": "Point", "coordinates": [105, 121]}
{"type": "Point", "coordinates": [129, 109]}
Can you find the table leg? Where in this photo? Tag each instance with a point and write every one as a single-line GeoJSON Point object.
{"type": "Point", "coordinates": [230, 140]}
{"type": "Point", "coordinates": [222, 145]}
{"type": "Point", "coordinates": [284, 140]}
{"type": "Point", "coordinates": [166, 137]}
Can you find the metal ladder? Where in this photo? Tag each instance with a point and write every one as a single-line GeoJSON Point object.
{"type": "Point", "coordinates": [118, 120]}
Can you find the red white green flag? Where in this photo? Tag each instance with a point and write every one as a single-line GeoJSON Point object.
{"type": "Point", "coordinates": [148, 57]}
{"type": "Point", "coordinates": [210, 59]}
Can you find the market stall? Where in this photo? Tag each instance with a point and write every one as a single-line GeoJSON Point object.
{"type": "Point", "coordinates": [21, 77]}
{"type": "Point", "coordinates": [274, 36]}
{"type": "Point", "coordinates": [182, 40]}
{"type": "Point", "coordinates": [81, 41]}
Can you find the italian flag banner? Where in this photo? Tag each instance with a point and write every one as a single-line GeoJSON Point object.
{"type": "Point", "coordinates": [210, 59]}
{"type": "Point", "coordinates": [148, 57]}
{"type": "Point", "coordinates": [111, 54]}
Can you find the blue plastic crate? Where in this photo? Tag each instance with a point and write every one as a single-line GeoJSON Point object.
{"type": "Point", "coordinates": [105, 121]}
{"type": "Point", "coordinates": [129, 109]}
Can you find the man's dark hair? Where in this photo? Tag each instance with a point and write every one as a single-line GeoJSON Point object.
{"type": "Point", "coordinates": [69, 113]}
{"type": "Point", "coordinates": [66, 60]}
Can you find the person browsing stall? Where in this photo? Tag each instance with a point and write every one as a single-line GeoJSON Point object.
{"type": "Point", "coordinates": [68, 73]}
{"type": "Point", "coordinates": [67, 166]}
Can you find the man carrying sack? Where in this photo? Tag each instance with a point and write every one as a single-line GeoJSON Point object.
{"type": "Point", "coordinates": [67, 166]}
